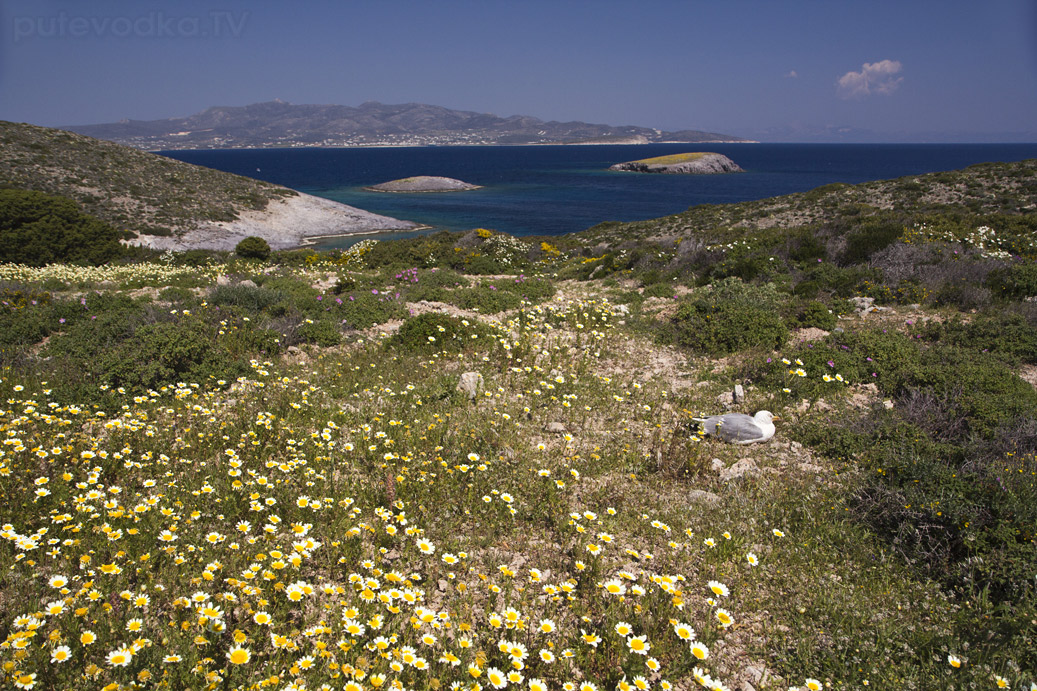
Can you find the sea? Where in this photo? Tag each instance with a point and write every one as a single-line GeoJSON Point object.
{"type": "Point", "coordinates": [553, 190]}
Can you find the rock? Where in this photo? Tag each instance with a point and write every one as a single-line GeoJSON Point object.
{"type": "Point", "coordinates": [696, 163]}
{"type": "Point", "coordinates": [863, 304]}
{"type": "Point", "coordinates": [746, 466]}
{"type": "Point", "coordinates": [248, 283]}
{"type": "Point", "coordinates": [726, 398]}
{"type": "Point", "coordinates": [621, 309]}
{"type": "Point", "coordinates": [555, 428]}
{"type": "Point", "coordinates": [470, 384]}
{"type": "Point", "coordinates": [762, 677]}
{"type": "Point", "coordinates": [423, 183]}
{"type": "Point", "coordinates": [223, 280]}
{"type": "Point", "coordinates": [887, 404]}
{"type": "Point", "coordinates": [738, 395]}
{"type": "Point", "coordinates": [717, 465]}
{"type": "Point", "coordinates": [696, 495]}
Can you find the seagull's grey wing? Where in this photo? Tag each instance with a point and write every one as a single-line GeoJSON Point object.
{"type": "Point", "coordinates": [738, 427]}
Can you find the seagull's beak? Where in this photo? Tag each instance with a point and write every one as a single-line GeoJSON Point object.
{"type": "Point", "coordinates": [775, 417]}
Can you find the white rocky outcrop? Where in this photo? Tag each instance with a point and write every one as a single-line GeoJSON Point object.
{"type": "Point", "coordinates": [284, 223]}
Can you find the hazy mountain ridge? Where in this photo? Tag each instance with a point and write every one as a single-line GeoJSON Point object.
{"type": "Point", "coordinates": [277, 123]}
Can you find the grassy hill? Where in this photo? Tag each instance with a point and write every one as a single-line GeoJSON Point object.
{"type": "Point", "coordinates": [986, 188]}
{"type": "Point", "coordinates": [129, 189]}
{"type": "Point", "coordinates": [218, 472]}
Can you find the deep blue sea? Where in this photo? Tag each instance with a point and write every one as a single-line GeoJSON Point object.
{"type": "Point", "coordinates": [551, 190]}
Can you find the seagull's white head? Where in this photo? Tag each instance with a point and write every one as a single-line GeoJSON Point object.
{"type": "Point", "coordinates": [765, 417]}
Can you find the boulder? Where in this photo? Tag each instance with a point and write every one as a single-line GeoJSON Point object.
{"type": "Point", "coordinates": [470, 384]}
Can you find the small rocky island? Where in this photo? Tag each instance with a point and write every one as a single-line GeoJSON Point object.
{"type": "Point", "coordinates": [423, 183]}
{"type": "Point", "coordinates": [697, 163]}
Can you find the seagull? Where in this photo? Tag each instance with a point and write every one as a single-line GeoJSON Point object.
{"type": "Point", "coordinates": [739, 428]}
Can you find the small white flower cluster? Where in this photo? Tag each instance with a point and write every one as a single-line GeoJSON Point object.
{"type": "Point", "coordinates": [983, 239]}
{"type": "Point", "coordinates": [727, 247]}
{"type": "Point", "coordinates": [505, 248]}
{"type": "Point", "coordinates": [351, 258]}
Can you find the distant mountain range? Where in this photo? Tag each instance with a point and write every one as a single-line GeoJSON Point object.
{"type": "Point", "coordinates": [280, 124]}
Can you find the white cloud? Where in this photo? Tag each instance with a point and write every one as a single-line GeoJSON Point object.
{"type": "Point", "coordinates": [874, 78]}
{"type": "Point", "coordinates": [792, 74]}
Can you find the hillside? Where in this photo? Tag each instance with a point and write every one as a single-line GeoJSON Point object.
{"type": "Point", "coordinates": [986, 188]}
{"type": "Point", "coordinates": [276, 123]}
{"type": "Point", "coordinates": [469, 456]}
{"type": "Point", "coordinates": [167, 202]}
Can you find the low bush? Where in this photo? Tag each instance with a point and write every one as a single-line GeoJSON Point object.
{"type": "Point", "coordinates": [870, 236]}
{"type": "Point", "coordinates": [364, 310]}
{"type": "Point", "coordinates": [658, 290]}
{"type": "Point", "coordinates": [486, 298]}
{"type": "Point", "coordinates": [38, 229]}
{"type": "Point", "coordinates": [249, 298]}
{"type": "Point", "coordinates": [817, 315]}
{"type": "Point", "coordinates": [1014, 282]}
{"type": "Point", "coordinates": [731, 316]}
{"type": "Point", "coordinates": [321, 332]}
{"type": "Point", "coordinates": [530, 289]}
{"type": "Point", "coordinates": [1008, 335]}
{"type": "Point", "coordinates": [253, 247]}
{"type": "Point", "coordinates": [434, 331]}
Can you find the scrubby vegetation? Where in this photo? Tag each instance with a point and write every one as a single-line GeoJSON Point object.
{"type": "Point", "coordinates": [37, 229]}
{"type": "Point", "coordinates": [224, 472]}
{"type": "Point", "coordinates": [253, 247]}
{"type": "Point", "coordinates": [128, 189]}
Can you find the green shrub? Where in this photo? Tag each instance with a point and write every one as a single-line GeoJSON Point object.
{"type": "Point", "coordinates": [26, 317]}
{"type": "Point", "coordinates": [299, 293]}
{"type": "Point", "coordinates": [154, 355]}
{"type": "Point", "coordinates": [659, 290]}
{"type": "Point", "coordinates": [486, 298]}
{"type": "Point", "coordinates": [38, 229]}
{"type": "Point", "coordinates": [530, 289]}
{"type": "Point", "coordinates": [1008, 335]}
{"type": "Point", "coordinates": [365, 309]}
{"type": "Point", "coordinates": [977, 391]}
{"type": "Point", "coordinates": [871, 236]}
{"type": "Point", "coordinates": [804, 246]}
{"type": "Point", "coordinates": [253, 247]}
{"type": "Point", "coordinates": [322, 332]}
{"type": "Point", "coordinates": [252, 299]}
{"type": "Point", "coordinates": [842, 282]}
{"type": "Point", "coordinates": [434, 331]}
{"type": "Point", "coordinates": [817, 315]}
{"type": "Point", "coordinates": [730, 317]}
{"type": "Point", "coordinates": [964, 519]}
{"type": "Point", "coordinates": [1014, 282]}
{"type": "Point", "coordinates": [176, 295]}
{"type": "Point", "coordinates": [195, 257]}
{"type": "Point", "coordinates": [985, 394]}
{"type": "Point", "coordinates": [811, 371]}
{"type": "Point", "coordinates": [343, 284]}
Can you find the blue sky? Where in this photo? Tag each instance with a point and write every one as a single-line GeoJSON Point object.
{"type": "Point", "coordinates": [826, 70]}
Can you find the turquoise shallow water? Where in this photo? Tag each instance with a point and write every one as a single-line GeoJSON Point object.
{"type": "Point", "coordinates": [551, 190]}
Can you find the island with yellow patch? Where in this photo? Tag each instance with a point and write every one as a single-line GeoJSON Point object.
{"type": "Point", "coordinates": [693, 163]}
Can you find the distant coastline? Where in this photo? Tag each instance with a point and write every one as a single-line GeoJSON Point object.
{"type": "Point", "coordinates": [274, 147]}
